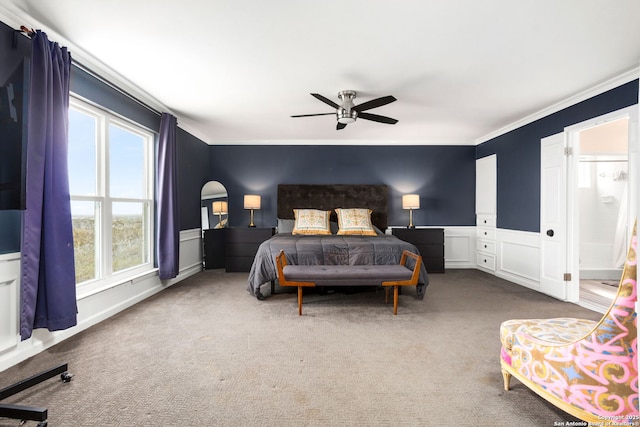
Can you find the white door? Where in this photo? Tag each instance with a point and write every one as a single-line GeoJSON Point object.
{"type": "Point", "coordinates": [553, 216]}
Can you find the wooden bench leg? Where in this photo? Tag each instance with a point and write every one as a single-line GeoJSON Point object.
{"type": "Point", "coordinates": [395, 299]}
{"type": "Point", "coordinates": [299, 300]}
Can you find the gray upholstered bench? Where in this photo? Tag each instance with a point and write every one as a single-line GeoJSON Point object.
{"type": "Point", "coordinates": [350, 275]}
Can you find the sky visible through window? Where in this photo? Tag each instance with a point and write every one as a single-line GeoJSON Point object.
{"type": "Point", "coordinates": [126, 154]}
{"type": "Point", "coordinates": [82, 154]}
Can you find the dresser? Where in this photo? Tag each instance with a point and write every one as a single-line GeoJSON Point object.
{"type": "Point", "coordinates": [430, 244]}
{"type": "Point", "coordinates": [241, 245]}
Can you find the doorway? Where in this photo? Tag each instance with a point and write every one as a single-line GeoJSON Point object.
{"type": "Point", "coordinates": [601, 200]}
{"type": "Point", "coordinates": [589, 198]}
{"type": "Point", "coordinates": [602, 152]}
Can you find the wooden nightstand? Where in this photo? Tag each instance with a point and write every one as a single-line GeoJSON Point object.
{"type": "Point", "coordinates": [241, 245]}
{"type": "Point", "coordinates": [430, 243]}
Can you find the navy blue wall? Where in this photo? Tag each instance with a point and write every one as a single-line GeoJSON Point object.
{"type": "Point", "coordinates": [193, 167]}
{"type": "Point", "coordinates": [443, 176]}
{"type": "Point", "coordinates": [105, 96]}
{"type": "Point", "coordinates": [518, 155]}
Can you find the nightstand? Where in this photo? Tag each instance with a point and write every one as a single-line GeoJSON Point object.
{"type": "Point", "coordinates": [213, 248]}
{"type": "Point", "coordinates": [430, 244]}
{"type": "Point", "coordinates": [241, 245]}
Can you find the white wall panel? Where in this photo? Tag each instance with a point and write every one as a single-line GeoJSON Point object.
{"type": "Point", "coordinates": [459, 247]}
{"type": "Point", "coordinates": [9, 285]}
{"type": "Point", "coordinates": [190, 250]}
{"type": "Point", "coordinates": [519, 257]}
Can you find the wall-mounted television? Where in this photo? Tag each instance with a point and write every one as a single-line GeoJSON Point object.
{"type": "Point", "coordinates": [13, 134]}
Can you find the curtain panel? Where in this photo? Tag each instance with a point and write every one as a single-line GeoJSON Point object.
{"type": "Point", "coordinates": [48, 288]}
{"type": "Point", "coordinates": [168, 236]}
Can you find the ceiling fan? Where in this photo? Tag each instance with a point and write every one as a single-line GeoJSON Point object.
{"type": "Point", "coordinates": [347, 112]}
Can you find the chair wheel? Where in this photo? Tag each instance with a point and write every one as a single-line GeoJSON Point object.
{"type": "Point", "coordinates": [43, 424]}
{"type": "Point", "coordinates": [65, 377]}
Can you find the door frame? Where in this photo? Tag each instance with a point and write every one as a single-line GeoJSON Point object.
{"type": "Point", "coordinates": [573, 213]}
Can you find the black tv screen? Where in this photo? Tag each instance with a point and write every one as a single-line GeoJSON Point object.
{"type": "Point", "coordinates": [13, 134]}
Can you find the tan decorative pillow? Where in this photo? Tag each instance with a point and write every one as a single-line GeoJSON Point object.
{"type": "Point", "coordinates": [311, 221]}
{"type": "Point", "coordinates": [355, 221]}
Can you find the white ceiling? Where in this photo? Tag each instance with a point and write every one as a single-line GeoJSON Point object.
{"type": "Point", "coordinates": [233, 71]}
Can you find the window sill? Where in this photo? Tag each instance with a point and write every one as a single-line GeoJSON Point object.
{"type": "Point", "coordinates": [102, 287]}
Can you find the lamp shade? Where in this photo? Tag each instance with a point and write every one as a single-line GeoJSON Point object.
{"type": "Point", "coordinates": [251, 201]}
{"type": "Point", "coordinates": [411, 201]}
{"type": "Point", "coordinates": [219, 208]}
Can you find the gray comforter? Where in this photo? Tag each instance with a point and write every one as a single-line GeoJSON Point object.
{"type": "Point", "coordinates": [330, 250]}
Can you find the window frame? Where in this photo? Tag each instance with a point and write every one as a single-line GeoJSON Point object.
{"type": "Point", "coordinates": [103, 202]}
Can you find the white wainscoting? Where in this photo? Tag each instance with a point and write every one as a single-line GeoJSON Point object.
{"type": "Point", "coordinates": [460, 247]}
{"type": "Point", "coordinates": [9, 279]}
{"type": "Point", "coordinates": [518, 257]}
{"type": "Point", "coordinates": [92, 308]}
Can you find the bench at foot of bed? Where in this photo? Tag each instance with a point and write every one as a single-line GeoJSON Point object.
{"type": "Point", "coordinates": [302, 276]}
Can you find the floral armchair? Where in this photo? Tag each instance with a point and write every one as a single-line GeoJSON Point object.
{"type": "Point", "coordinates": [588, 369]}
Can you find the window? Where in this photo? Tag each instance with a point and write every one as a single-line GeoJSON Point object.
{"type": "Point", "coordinates": [111, 186]}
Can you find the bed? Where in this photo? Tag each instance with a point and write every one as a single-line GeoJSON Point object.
{"type": "Point", "coordinates": [331, 249]}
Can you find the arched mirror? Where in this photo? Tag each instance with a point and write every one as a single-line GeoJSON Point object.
{"type": "Point", "coordinates": [214, 206]}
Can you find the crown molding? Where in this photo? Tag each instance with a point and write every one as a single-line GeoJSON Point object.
{"type": "Point", "coordinates": [626, 77]}
{"type": "Point", "coordinates": [340, 142]}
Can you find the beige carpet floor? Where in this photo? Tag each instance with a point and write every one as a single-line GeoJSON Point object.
{"type": "Point", "coordinates": [206, 353]}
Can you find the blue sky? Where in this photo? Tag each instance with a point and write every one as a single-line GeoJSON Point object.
{"type": "Point", "coordinates": [126, 162]}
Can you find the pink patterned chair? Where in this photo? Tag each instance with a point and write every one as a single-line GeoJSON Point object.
{"type": "Point", "coordinates": [586, 368]}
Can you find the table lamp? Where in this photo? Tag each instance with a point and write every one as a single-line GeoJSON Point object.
{"type": "Point", "coordinates": [411, 202]}
{"type": "Point", "coordinates": [251, 201]}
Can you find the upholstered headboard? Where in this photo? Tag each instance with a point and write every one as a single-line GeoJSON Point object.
{"type": "Point", "coordinates": [331, 196]}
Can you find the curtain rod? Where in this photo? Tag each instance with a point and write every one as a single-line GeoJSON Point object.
{"type": "Point", "coordinates": [29, 32]}
{"type": "Point", "coordinates": [24, 31]}
{"type": "Point", "coordinates": [96, 76]}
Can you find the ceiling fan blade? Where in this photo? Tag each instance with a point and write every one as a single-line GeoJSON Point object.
{"type": "Point", "coordinates": [341, 126]}
{"type": "Point", "coordinates": [378, 102]}
{"type": "Point", "coordinates": [377, 118]}
{"type": "Point", "coordinates": [325, 100]}
{"type": "Point", "coordinates": [311, 115]}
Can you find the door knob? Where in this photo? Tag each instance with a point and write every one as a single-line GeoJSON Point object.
{"type": "Point", "coordinates": [550, 233]}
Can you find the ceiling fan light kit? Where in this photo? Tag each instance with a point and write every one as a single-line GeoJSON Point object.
{"type": "Point", "coordinates": [347, 112]}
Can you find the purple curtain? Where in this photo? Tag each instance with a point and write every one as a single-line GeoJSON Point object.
{"type": "Point", "coordinates": [168, 232]}
{"type": "Point", "coordinates": [48, 291]}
